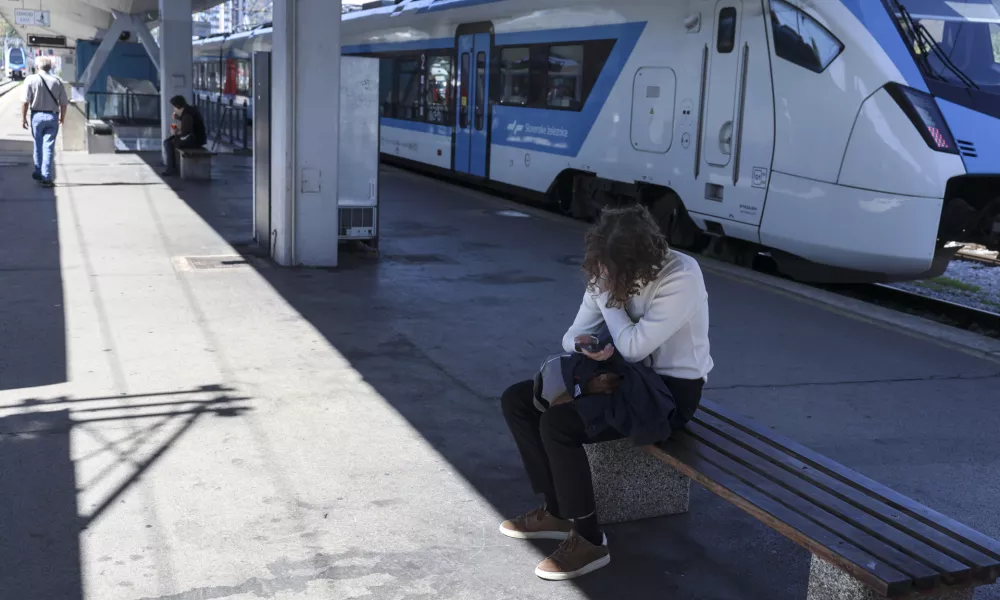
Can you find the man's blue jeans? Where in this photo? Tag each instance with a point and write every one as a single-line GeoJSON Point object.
{"type": "Point", "coordinates": [44, 128]}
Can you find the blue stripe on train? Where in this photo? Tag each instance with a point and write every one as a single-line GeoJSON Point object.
{"type": "Point", "coordinates": [564, 131]}
{"type": "Point", "coordinates": [877, 20]}
{"type": "Point", "coordinates": [442, 130]}
{"type": "Point", "coordinates": [429, 44]}
{"type": "Point", "coordinates": [554, 131]}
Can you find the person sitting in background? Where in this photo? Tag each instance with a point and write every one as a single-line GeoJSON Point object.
{"type": "Point", "coordinates": [191, 134]}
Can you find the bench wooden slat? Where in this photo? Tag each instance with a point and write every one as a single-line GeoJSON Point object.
{"type": "Point", "coordinates": [689, 458]}
{"type": "Point", "coordinates": [924, 576]}
{"type": "Point", "coordinates": [982, 566]}
{"type": "Point", "coordinates": [929, 526]}
{"type": "Point", "coordinates": [863, 530]}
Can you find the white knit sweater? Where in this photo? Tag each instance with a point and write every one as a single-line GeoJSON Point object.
{"type": "Point", "coordinates": [665, 326]}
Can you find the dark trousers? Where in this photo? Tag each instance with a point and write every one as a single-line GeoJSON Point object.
{"type": "Point", "coordinates": [551, 443]}
{"type": "Point", "coordinates": [172, 144]}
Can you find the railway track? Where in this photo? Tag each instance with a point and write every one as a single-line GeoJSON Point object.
{"type": "Point", "coordinates": [979, 258]}
{"type": "Point", "coordinates": [957, 315]}
{"type": "Point", "coordinates": [6, 86]}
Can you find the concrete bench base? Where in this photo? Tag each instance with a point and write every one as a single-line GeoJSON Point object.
{"type": "Point", "coordinates": [827, 582]}
{"type": "Point", "coordinates": [196, 165]}
{"type": "Point", "coordinates": [100, 138]}
{"type": "Point", "coordinates": [630, 485]}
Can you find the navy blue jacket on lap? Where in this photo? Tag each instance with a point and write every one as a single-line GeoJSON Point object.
{"type": "Point", "coordinates": [641, 408]}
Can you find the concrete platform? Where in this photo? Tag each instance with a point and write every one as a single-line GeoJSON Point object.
{"type": "Point", "coordinates": [240, 431]}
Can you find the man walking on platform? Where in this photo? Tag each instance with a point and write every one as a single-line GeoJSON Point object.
{"type": "Point", "coordinates": [192, 132]}
{"type": "Point", "coordinates": [45, 98]}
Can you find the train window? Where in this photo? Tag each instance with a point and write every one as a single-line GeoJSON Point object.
{"type": "Point", "coordinates": [727, 30]}
{"type": "Point", "coordinates": [480, 90]}
{"type": "Point", "coordinates": [463, 108]}
{"type": "Point", "coordinates": [565, 83]}
{"type": "Point", "coordinates": [515, 76]}
{"type": "Point", "coordinates": [385, 85]}
{"type": "Point", "coordinates": [408, 89]}
{"type": "Point", "coordinates": [560, 76]}
{"type": "Point", "coordinates": [243, 77]}
{"type": "Point", "coordinates": [800, 39]}
{"type": "Point", "coordinates": [438, 96]}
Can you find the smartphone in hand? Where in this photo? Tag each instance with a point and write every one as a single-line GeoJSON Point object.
{"type": "Point", "coordinates": [590, 343]}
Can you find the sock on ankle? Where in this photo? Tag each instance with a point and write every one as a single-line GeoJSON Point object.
{"type": "Point", "coordinates": [589, 529]}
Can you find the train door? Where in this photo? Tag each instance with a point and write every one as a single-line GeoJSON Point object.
{"type": "Point", "coordinates": [473, 104]}
{"type": "Point", "coordinates": [723, 83]}
{"type": "Point", "coordinates": [737, 122]}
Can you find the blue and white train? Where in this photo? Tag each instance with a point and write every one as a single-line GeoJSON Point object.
{"type": "Point", "coordinates": [16, 63]}
{"type": "Point", "coordinates": [850, 139]}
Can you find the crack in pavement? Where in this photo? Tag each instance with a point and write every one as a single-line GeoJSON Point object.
{"type": "Point", "coordinates": [853, 382]}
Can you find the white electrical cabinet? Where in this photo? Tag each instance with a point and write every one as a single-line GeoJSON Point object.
{"type": "Point", "coordinates": [359, 149]}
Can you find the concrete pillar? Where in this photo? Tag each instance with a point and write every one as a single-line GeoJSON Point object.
{"type": "Point", "coordinates": [305, 118]}
{"type": "Point", "coordinates": [175, 57]}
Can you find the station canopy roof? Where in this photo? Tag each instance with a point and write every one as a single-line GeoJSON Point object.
{"type": "Point", "coordinates": [78, 19]}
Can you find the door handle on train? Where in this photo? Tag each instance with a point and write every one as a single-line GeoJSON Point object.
{"type": "Point", "coordinates": [726, 138]}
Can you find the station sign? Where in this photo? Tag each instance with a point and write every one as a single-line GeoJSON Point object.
{"type": "Point", "coordinates": [33, 18]}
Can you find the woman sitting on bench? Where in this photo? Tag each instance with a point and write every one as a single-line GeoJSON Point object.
{"type": "Point", "coordinates": [191, 135]}
{"type": "Point", "coordinates": [654, 304]}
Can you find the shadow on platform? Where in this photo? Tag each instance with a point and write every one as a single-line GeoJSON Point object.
{"type": "Point", "coordinates": [41, 516]}
{"type": "Point", "coordinates": [32, 321]}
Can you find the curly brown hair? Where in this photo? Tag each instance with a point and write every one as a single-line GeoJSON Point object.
{"type": "Point", "coordinates": [629, 244]}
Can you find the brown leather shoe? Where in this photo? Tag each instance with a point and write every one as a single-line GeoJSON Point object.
{"type": "Point", "coordinates": [574, 557]}
{"type": "Point", "coordinates": [536, 525]}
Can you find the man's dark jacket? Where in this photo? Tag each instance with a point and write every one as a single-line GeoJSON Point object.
{"type": "Point", "coordinates": [192, 131]}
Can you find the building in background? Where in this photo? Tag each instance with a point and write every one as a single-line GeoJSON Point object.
{"type": "Point", "coordinates": [217, 19]}
{"type": "Point", "coordinates": [247, 14]}
{"type": "Point", "coordinates": [241, 15]}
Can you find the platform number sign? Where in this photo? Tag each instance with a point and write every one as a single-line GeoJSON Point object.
{"type": "Point", "coordinates": [759, 179]}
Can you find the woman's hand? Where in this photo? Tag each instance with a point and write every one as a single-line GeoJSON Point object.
{"type": "Point", "coordinates": [603, 355]}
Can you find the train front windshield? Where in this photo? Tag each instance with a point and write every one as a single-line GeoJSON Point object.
{"type": "Point", "coordinates": [956, 41]}
{"type": "Point", "coordinates": [16, 58]}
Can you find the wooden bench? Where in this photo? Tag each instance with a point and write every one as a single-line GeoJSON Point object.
{"type": "Point", "coordinates": [866, 540]}
{"type": "Point", "coordinates": [195, 163]}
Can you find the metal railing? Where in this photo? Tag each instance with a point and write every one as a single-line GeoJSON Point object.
{"type": "Point", "coordinates": [226, 123]}
{"type": "Point", "coordinates": [126, 107]}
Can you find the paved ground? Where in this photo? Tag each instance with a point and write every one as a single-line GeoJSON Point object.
{"type": "Point", "coordinates": [247, 432]}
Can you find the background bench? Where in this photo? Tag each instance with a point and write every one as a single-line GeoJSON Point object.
{"type": "Point", "coordinates": [866, 540]}
{"type": "Point", "coordinates": [195, 163]}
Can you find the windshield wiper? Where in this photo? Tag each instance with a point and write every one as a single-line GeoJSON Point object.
{"type": "Point", "coordinates": [928, 44]}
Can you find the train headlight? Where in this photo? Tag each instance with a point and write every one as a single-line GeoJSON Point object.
{"type": "Point", "coordinates": [925, 115]}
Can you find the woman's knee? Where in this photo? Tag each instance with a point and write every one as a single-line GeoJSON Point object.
{"type": "Point", "coordinates": [518, 397]}
{"type": "Point", "coordinates": [563, 425]}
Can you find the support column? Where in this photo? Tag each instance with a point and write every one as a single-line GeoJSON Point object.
{"type": "Point", "coordinates": [305, 93]}
{"type": "Point", "coordinates": [175, 57]}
